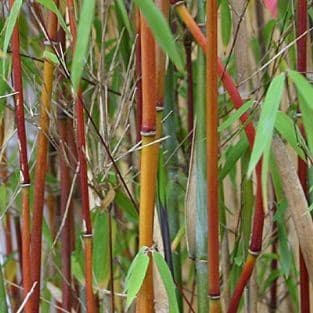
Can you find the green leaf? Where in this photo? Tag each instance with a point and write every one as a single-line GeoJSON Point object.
{"type": "Point", "coordinates": [225, 22]}
{"type": "Point", "coordinates": [84, 28]}
{"type": "Point", "coordinates": [232, 155]}
{"type": "Point", "coordinates": [235, 116]}
{"type": "Point", "coordinates": [14, 12]}
{"type": "Point", "coordinates": [47, 234]}
{"type": "Point", "coordinates": [51, 6]}
{"type": "Point", "coordinates": [289, 131]}
{"type": "Point", "coordinates": [77, 267]}
{"type": "Point", "coordinates": [304, 88]}
{"type": "Point", "coordinates": [167, 281]}
{"type": "Point", "coordinates": [101, 252]}
{"type": "Point", "coordinates": [124, 203]}
{"type": "Point", "coordinates": [267, 120]}
{"type": "Point", "coordinates": [160, 30]}
{"type": "Point", "coordinates": [3, 198]}
{"type": "Point", "coordinates": [121, 9]}
{"type": "Point", "coordinates": [307, 116]}
{"type": "Point", "coordinates": [3, 296]}
{"type": "Point", "coordinates": [305, 94]}
{"type": "Point", "coordinates": [136, 276]}
{"type": "Point", "coordinates": [50, 56]}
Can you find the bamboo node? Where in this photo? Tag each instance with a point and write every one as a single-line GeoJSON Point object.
{"type": "Point", "coordinates": [177, 3]}
{"type": "Point", "coordinates": [86, 236]}
{"type": "Point", "coordinates": [25, 185]}
{"type": "Point", "coordinates": [214, 297]}
{"type": "Point", "coordinates": [254, 253]}
{"type": "Point", "coordinates": [202, 26]}
{"type": "Point", "coordinates": [150, 133]}
{"type": "Point", "coordinates": [50, 43]}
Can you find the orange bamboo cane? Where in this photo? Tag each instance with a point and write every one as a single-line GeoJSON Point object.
{"type": "Point", "coordinates": [25, 179]}
{"type": "Point", "coordinates": [41, 166]}
{"type": "Point", "coordinates": [212, 156]}
{"type": "Point", "coordinates": [148, 160]}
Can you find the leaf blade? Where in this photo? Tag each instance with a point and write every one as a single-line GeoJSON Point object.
{"type": "Point", "coordinates": [136, 277]}
{"type": "Point", "coordinates": [168, 281]}
{"type": "Point", "coordinates": [160, 30]}
{"type": "Point", "coordinates": [267, 120]}
{"type": "Point", "coordinates": [12, 19]}
{"type": "Point", "coordinates": [84, 28]}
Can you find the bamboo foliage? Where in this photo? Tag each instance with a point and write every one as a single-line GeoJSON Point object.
{"type": "Point", "coordinates": [142, 109]}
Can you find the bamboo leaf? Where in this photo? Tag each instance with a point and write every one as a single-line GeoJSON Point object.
{"type": "Point", "coordinates": [235, 116]}
{"type": "Point", "coordinates": [77, 270]}
{"type": "Point", "coordinates": [289, 131]}
{"type": "Point", "coordinates": [130, 270]}
{"type": "Point", "coordinates": [267, 120]}
{"type": "Point", "coordinates": [84, 28]}
{"type": "Point", "coordinates": [3, 298]}
{"type": "Point", "coordinates": [160, 30]}
{"type": "Point", "coordinates": [51, 6]}
{"type": "Point", "coordinates": [101, 251]}
{"type": "Point", "coordinates": [50, 56]}
{"type": "Point", "coordinates": [121, 9]}
{"type": "Point", "coordinates": [225, 22]}
{"type": "Point", "coordinates": [307, 116]}
{"type": "Point", "coordinates": [305, 96]}
{"type": "Point", "coordinates": [167, 281]}
{"type": "Point", "coordinates": [124, 203]}
{"type": "Point", "coordinates": [11, 23]}
{"type": "Point", "coordinates": [233, 154]}
{"type": "Point", "coordinates": [303, 87]}
{"type": "Point", "coordinates": [135, 276]}
{"type": "Point", "coordinates": [3, 198]}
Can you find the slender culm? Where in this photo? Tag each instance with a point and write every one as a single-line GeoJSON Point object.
{"type": "Point", "coordinates": [41, 163]}
{"type": "Point", "coordinates": [25, 179]}
{"type": "Point", "coordinates": [82, 159]}
{"type": "Point", "coordinates": [302, 21]}
{"type": "Point", "coordinates": [212, 157]}
{"type": "Point", "coordinates": [148, 160]}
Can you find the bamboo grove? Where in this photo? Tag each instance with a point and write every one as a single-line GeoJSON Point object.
{"type": "Point", "coordinates": [156, 156]}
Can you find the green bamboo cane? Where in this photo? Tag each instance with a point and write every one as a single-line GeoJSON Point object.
{"type": "Point", "coordinates": [201, 200]}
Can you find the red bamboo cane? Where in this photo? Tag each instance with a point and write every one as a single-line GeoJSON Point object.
{"type": "Point", "coordinates": [41, 167]}
{"type": "Point", "coordinates": [83, 177]}
{"type": "Point", "coordinates": [212, 156]}
{"type": "Point", "coordinates": [302, 20]}
{"type": "Point", "coordinates": [25, 178]}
